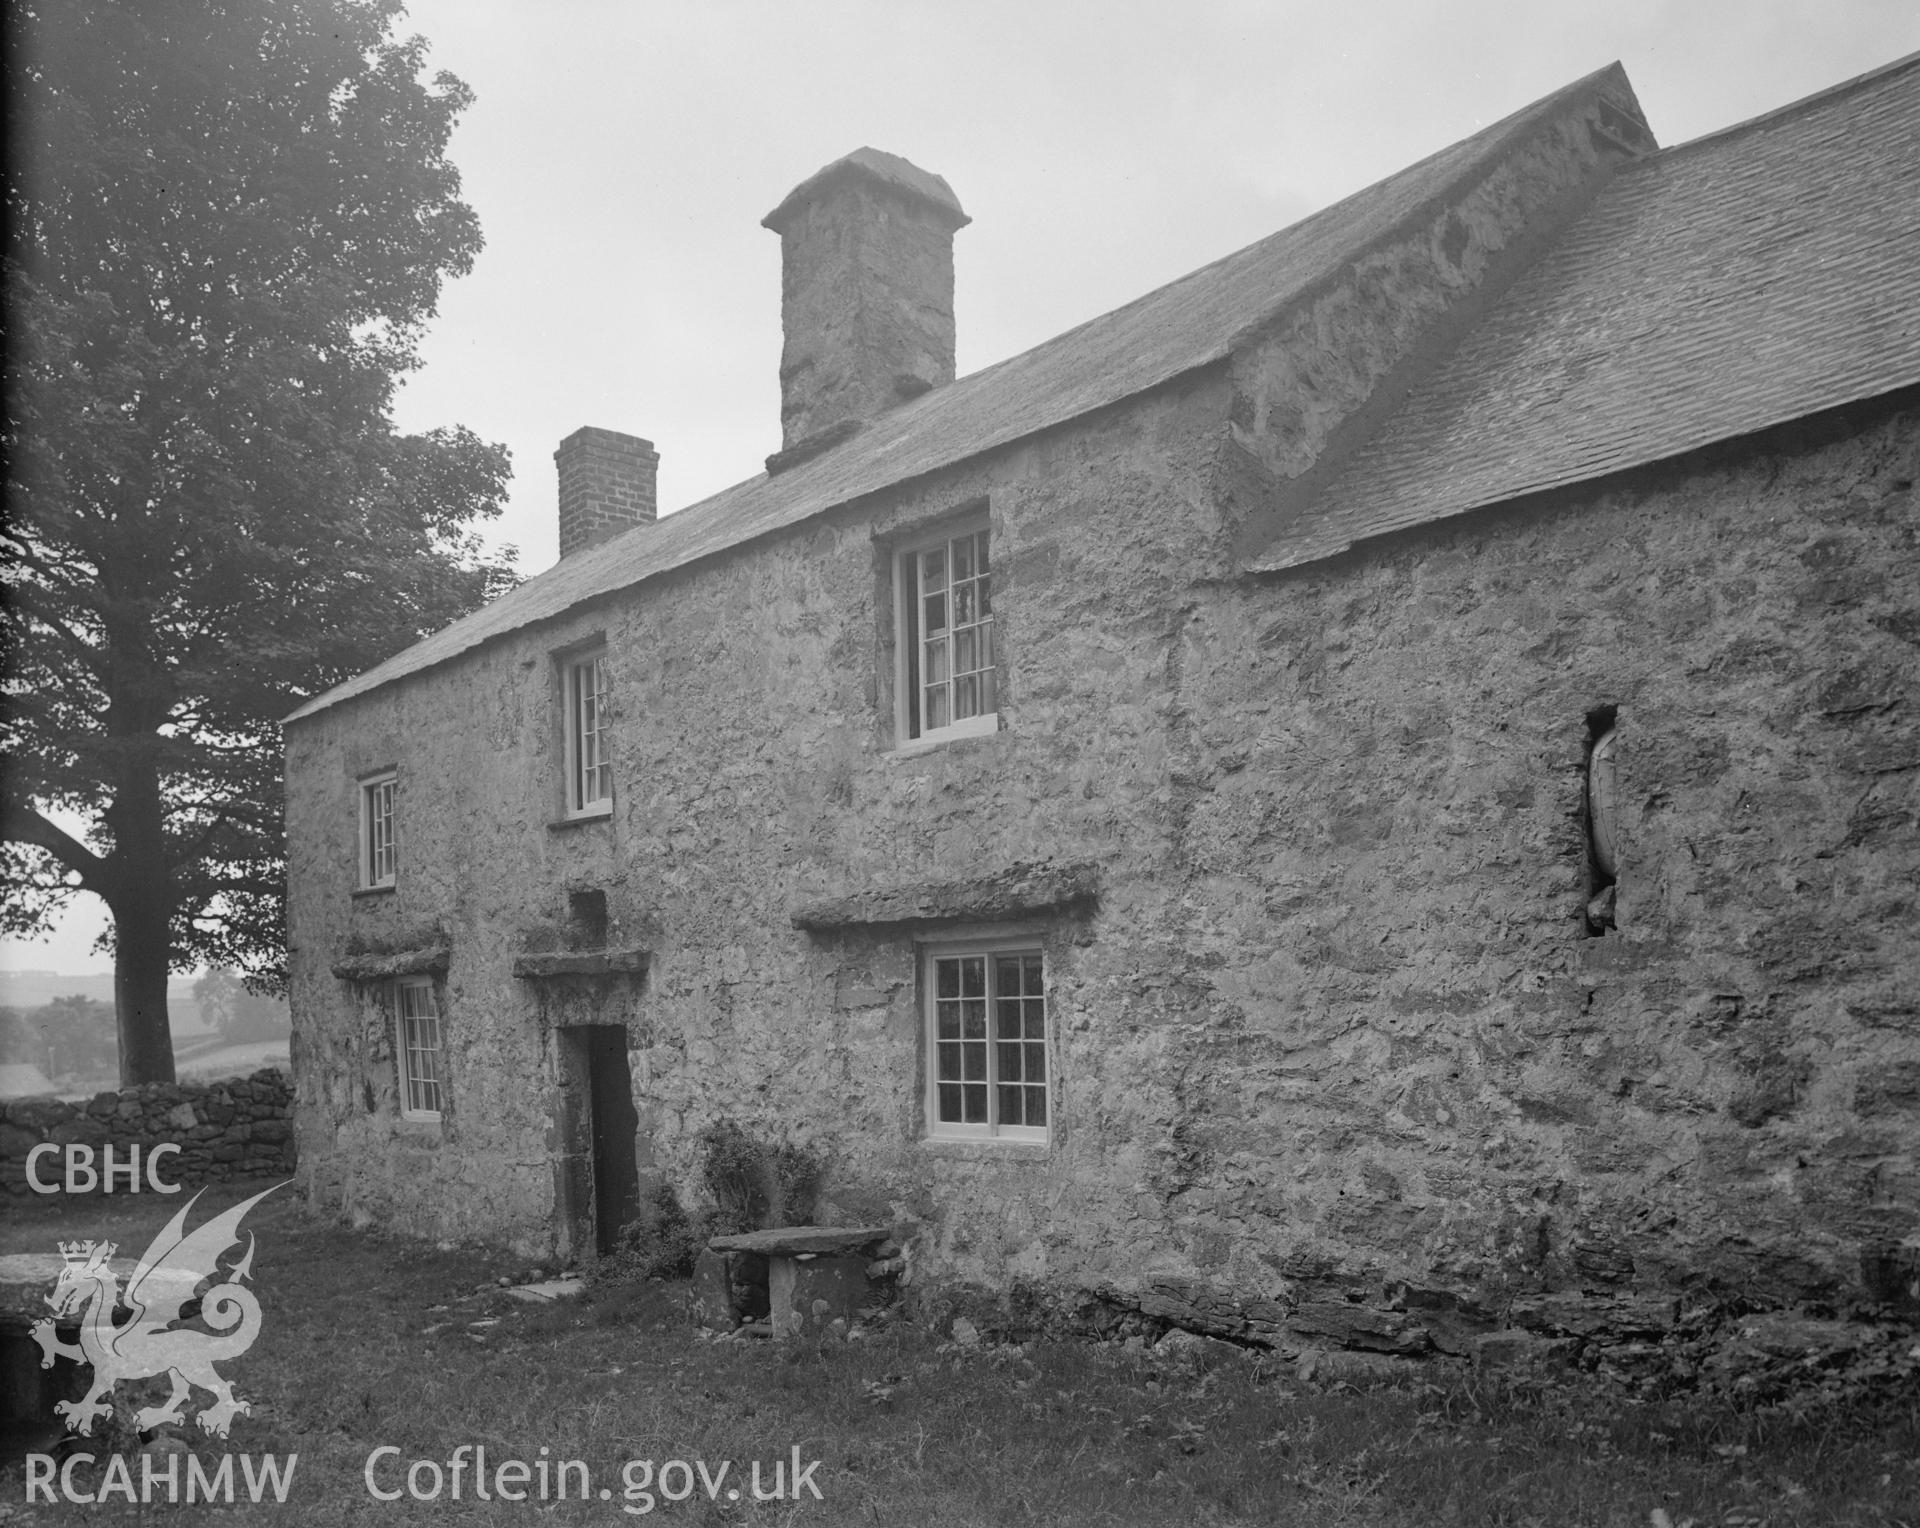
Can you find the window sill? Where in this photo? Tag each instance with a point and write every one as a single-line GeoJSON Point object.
{"type": "Point", "coordinates": [419, 1124]}
{"type": "Point", "coordinates": [973, 727]}
{"type": "Point", "coordinates": [374, 891]}
{"type": "Point", "coordinates": [580, 820]}
{"type": "Point", "coordinates": [974, 1148]}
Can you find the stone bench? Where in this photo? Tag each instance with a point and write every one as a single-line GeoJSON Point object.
{"type": "Point", "coordinates": [811, 1275]}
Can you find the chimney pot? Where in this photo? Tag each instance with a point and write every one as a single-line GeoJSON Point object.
{"type": "Point", "coordinates": [608, 484]}
{"type": "Point", "coordinates": [866, 296]}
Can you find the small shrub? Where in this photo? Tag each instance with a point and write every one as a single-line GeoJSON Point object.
{"type": "Point", "coordinates": [662, 1243]}
{"type": "Point", "coordinates": [735, 1171]}
{"type": "Point", "coordinates": [756, 1187]}
{"type": "Point", "coordinates": [796, 1180]}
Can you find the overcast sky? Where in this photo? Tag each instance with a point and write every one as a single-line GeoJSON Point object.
{"type": "Point", "coordinates": [621, 154]}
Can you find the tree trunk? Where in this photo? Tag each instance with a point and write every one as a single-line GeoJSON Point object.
{"type": "Point", "coordinates": [139, 887]}
{"type": "Point", "coordinates": [140, 964]}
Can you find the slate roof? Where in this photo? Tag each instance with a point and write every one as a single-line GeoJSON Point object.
{"type": "Point", "coordinates": [1749, 278]}
{"type": "Point", "coordinates": [1191, 323]}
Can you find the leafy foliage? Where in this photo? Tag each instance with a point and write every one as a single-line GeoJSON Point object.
{"type": "Point", "coordinates": [663, 1243]}
{"type": "Point", "coordinates": [70, 1037]}
{"type": "Point", "coordinates": [228, 225]}
{"type": "Point", "coordinates": [238, 1014]}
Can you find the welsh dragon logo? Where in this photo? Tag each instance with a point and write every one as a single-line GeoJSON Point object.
{"type": "Point", "coordinates": [157, 1296]}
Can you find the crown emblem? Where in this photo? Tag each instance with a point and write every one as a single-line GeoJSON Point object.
{"type": "Point", "coordinates": [81, 1253]}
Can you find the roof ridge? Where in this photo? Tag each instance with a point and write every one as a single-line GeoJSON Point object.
{"type": "Point", "coordinates": [933, 398]}
{"type": "Point", "coordinates": [1185, 325]}
{"type": "Point", "coordinates": [1490, 132]}
{"type": "Point", "coordinates": [1790, 110]}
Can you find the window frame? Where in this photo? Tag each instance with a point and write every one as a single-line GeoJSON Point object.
{"type": "Point", "coordinates": [575, 732]}
{"type": "Point", "coordinates": [404, 1051]}
{"type": "Point", "coordinates": [909, 729]}
{"type": "Point", "coordinates": [992, 949]}
{"type": "Point", "coordinates": [384, 783]}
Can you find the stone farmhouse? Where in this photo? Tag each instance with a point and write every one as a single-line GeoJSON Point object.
{"type": "Point", "coordinates": [1376, 782]}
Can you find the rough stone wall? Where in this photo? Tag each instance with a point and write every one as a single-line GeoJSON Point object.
{"type": "Point", "coordinates": [1335, 1058]}
{"type": "Point", "coordinates": [1404, 1062]}
{"type": "Point", "coordinates": [751, 716]}
{"type": "Point", "coordinates": [227, 1129]}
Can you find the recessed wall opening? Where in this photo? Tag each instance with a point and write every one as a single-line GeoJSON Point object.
{"type": "Point", "coordinates": [587, 920]}
{"type": "Point", "coordinates": [599, 1178]}
{"type": "Point", "coordinates": [1600, 819]}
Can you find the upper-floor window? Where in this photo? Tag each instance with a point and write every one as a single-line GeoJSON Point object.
{"type": "Point", "coordinates": [987, 1072]}
{"type": "Point", "coordinates": [947, 684]}
{"type": "Point", "coordinates": [379, 850]}
{"type": "Point", "coordinates": [589, 775]}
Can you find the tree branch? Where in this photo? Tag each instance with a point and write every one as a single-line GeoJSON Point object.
{"type": "Point", "coordinates": [89, 653]}
{"type": "Point", "coordinates": [205, 835]}
{"type": "Point", "coordinates": [25, 825]}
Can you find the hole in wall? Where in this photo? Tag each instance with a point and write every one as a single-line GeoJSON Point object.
{"type": "Point", "coordinates": [587, 920]}
{"type": "Point", "coordinates": [1600, 817]}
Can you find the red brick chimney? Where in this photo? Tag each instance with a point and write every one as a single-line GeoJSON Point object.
{"type": "Point", "coordinates": [607, 485]}
{"type": "Point", "coordinates": [866, 296]}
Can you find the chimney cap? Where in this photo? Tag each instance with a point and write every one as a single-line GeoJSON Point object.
{"type": "Point", "coordinates": [616, 440]}
{"type": "Point", "coordinates": [880, 168]}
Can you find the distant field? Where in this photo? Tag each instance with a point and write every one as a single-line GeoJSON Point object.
{"type": "Point", "coordinates": [27, 990]}
{"type": "Point", "coordinates": [202, 1058]}
{"type": "Point", "coordinates": [198, 1049]}
{"type": "Point", "coordinates": [230, 1060]}
{"type": "Point", "coordinates": [34, 989]}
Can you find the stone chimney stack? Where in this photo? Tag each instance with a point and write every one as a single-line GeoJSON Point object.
{"type": "Point", "coordinates": [607, 485]}
{"type": "Point", "coordinates": [866, 296]}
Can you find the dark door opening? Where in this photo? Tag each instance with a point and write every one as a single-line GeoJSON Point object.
{"type": "Point", "coordinates": [600, 1179]}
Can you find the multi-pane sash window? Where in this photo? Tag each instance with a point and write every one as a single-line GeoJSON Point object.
{"type": "Point", "coordinates": [379, 859]}
{"type": "Point", "coordinates": [590, 776]}
{"type": "Point", "coordinates": [422, 1072]}
{"type": "Point", "coordinates": [988, 1044]}
{"type": "Point", "coordinates": [948, 676]}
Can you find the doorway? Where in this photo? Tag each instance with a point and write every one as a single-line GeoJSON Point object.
{"type": "Point", "coordinates": [599, 1176]}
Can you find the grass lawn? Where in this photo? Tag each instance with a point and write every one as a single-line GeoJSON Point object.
{"type": "Point", "coordinates": [372, 1341]}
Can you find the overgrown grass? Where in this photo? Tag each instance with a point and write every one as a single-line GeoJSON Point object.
{"type": "Point", "coordinates": [373, 1341]}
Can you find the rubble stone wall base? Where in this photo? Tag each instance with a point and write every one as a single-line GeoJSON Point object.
{"type": "Point", "coordinates": [241, 1127]}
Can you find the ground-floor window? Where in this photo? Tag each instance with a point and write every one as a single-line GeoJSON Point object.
{"type": "Point", "coordinates": [987, 1069]}
{"type": "Point", "coordinates": [422, 1060]}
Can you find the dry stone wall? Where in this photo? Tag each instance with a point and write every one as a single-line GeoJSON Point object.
{"type": "Point", "coordinates": [237, 1128]}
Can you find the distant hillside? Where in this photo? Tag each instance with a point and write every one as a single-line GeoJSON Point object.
{"type": "Point", "coordinates": [199, 1049]}
{"type": "Point", "coordinates": [35, 989]}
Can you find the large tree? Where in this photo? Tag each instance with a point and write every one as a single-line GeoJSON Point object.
{"type": "Point", "coordinates": [228, 222]}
